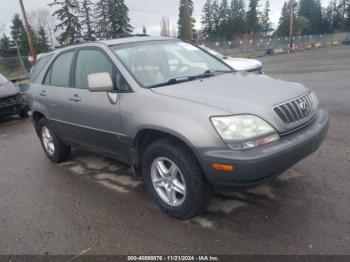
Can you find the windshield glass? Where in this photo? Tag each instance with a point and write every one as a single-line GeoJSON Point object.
{"type": "Point", "coordinates": [213, 52]}
{"type": "Point", "coordinates": [155, 62]}
{"type": "Point", "coordinates": [3, 80]}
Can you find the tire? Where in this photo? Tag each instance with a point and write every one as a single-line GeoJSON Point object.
{"type": "Point", "coordinates": [61, 152]}
{"type": "Point", "coordinates": [24, 113]}
{"type": "Point", "coordinates": [197, 191]}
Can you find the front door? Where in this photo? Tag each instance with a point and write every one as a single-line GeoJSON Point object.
{"type": "Point", "coordinates": [96, 115]}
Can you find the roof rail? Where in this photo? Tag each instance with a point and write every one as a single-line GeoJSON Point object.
{"type": "Point", "coordinates": [122, 36]}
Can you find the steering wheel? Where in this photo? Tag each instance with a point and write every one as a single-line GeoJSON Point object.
{"type": "Point", "coordinates": [180, 68]}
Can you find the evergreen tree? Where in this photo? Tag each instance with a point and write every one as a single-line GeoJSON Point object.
{"type": "Point", "coordinates": [207, 18]}
{"type": "Point", "coordinates": [327, 22]}
{"type": "Point", "coordinates": [41, 41]}
{"type": "Point", "coordinates": [17, 29]}
{"type": "Point", "coordinates": [336, 16]}
{"type": "Point", "coordinates": [101, 17]}
{"type": "Point", "coordinates": [144, 30]}
{"type": "Point", "coordinates": [216, 18]}
{"type": "Point", "coordinates": [19, 35]}
{"type": "Point", "coordinates": [5, 43]}
{"type": "Point", "coordinates": [347, 21]}
{"type": "Point", "coordinates": [186, 21]}
{"type": "Point", "coordinates": [266, 24]}
{"type": "Point", "coordinates": [69, 22]}
{"type": "Point", "coordinates": [86, 14]}
{"type": "Point", "coordinates": [118, 19]}
{"type": "Point", "coordinates": [311, 9]}
{"type": "Point", "coordinates": [302, 25]}
{"type": "Point", "coordinates": [305, 8]}
{"type": "Point", "coordinates": [284, 21]}
{"type": "Point", "coordinates": [342, 9]}
{"type": "Point", "coordinates": [316, 18]}
{"type": "Point", "coordinates": [238, 19]}
{"type": "Point", "coordinates": [224, 14]}
{"type": "Point", "coordinates": [253, 25]}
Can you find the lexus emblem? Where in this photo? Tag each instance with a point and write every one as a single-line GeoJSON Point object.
{"type": "Point", "coordinates": [303, 106]}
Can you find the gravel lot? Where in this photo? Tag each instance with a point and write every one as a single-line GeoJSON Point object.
{"type": "Point", "coordinates": [93, 202]}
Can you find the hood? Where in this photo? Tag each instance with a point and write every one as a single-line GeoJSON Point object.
{"type": "Point", "coordinates": [8, 89]}
{"type": "Point", "coordinates": [243, 64]}
{"type": "Point", "coordinates": [239, 93]}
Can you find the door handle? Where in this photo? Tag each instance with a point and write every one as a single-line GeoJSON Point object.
{"type": "Point", "coordinates": [43, 93]}
{"type": "Point", "coordinates": [75, 98]}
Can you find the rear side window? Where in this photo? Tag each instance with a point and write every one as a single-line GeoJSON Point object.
{"type": "Point", "coordinates": [59, 73]}
{"type": "Point", "coordinates": [90, 62]}
{"type": "Point", "coordinates": [38, 68]}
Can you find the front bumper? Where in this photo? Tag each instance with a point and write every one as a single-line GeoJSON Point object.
{"type": "Point", "coordinates": [13, 106]}
{"type": "Point", "coordinates": [255, 166]}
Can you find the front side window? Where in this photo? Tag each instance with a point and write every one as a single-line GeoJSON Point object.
{"type": "Point", "coordinates": [59, 73]}
{"type": "Point", "coordinates": [92, 62]}
{"type": "Point", "coordinates": [155, 62]}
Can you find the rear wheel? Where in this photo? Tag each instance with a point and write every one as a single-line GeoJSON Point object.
{"type": "Point", "coordinates": [174, 179]}
{"type": "Point", "coordinates": [53, 147]}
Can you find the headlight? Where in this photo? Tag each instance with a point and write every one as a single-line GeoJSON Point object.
{"type": "Point", "coordinates": [244, 131]}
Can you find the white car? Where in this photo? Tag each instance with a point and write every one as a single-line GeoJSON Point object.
{"type": "Point", "coordinates": [239, 64]}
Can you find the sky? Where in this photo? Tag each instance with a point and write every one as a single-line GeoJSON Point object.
{"type": "Point", "coordinates": [142, 12]}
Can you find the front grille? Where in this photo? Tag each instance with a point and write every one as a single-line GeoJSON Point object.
{"type": "Point", "coordinates": [10, 100]}
{"type": "Point", "coordinates": [297, 110]}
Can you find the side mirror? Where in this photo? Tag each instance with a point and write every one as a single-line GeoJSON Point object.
{"type": "Point", "coordinates": [100, 82]}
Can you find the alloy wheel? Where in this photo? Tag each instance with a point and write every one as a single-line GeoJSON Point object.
{"type": "Point", "coordinates": [168, 181]}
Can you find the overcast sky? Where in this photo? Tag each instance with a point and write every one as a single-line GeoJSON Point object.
{"type": "Point", "coordinates": [142, 12]}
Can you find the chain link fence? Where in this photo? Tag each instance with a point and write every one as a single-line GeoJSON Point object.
{"type": "Point", "coordinates": [15, 68]}
{"type": "Point", "coordinates": [248, 46]}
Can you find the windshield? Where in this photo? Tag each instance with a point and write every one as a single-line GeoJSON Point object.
{"type": "Point", "coordinates": [153, 63]}
{"type": "Point", "coordinates": [213, 52]}
{"type": "Point", "coordinates": [3, 80]}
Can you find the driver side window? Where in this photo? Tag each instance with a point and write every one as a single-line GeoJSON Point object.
{"type": "Point", "coordinates": [93, 61]}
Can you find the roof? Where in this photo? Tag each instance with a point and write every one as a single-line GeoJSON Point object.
{"type": "Point", "coordinates": [133, 40]}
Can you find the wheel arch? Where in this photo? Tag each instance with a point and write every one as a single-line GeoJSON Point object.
{"type": "Point", "coordinates": [147, 136]}
{"type": "Point", "coordinates": [37, 116]}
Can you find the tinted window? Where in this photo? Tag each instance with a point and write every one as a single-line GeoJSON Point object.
{"type": "Point", "coordinates": [156, 62]}
{"type": "Point", "coordinates": [38, 67]}
{"type": "Point", "coordinates": [94, 61]}
{"type": "Point", "coordinates": [90, 62]}
{"type": "Point", "coordinates": [61, 70]}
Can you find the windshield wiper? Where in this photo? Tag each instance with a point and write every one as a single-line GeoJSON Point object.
{"type": "Point", "coordinates": [210, 73]}
{"type": "Point", "coordinates": [173, 81]}
{"type": "Point", "coordinates": [177, 80]}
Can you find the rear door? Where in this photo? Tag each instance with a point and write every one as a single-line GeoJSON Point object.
{"type": "Point", "coordinates": [96, 115]}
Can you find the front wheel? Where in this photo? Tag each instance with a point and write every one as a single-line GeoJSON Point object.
{"type": "Point", "coordinates": [175, 180]}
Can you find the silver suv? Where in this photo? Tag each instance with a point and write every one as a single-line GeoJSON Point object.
{"type": "Point", "coordinates": [183, 119]}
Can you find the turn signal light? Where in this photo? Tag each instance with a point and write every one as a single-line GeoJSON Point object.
{"type": "Point", "coordinates": [220, 167]}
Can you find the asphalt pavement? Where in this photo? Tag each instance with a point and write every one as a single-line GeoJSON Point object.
{"type": "Point", "coordinates": [92, 203]}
